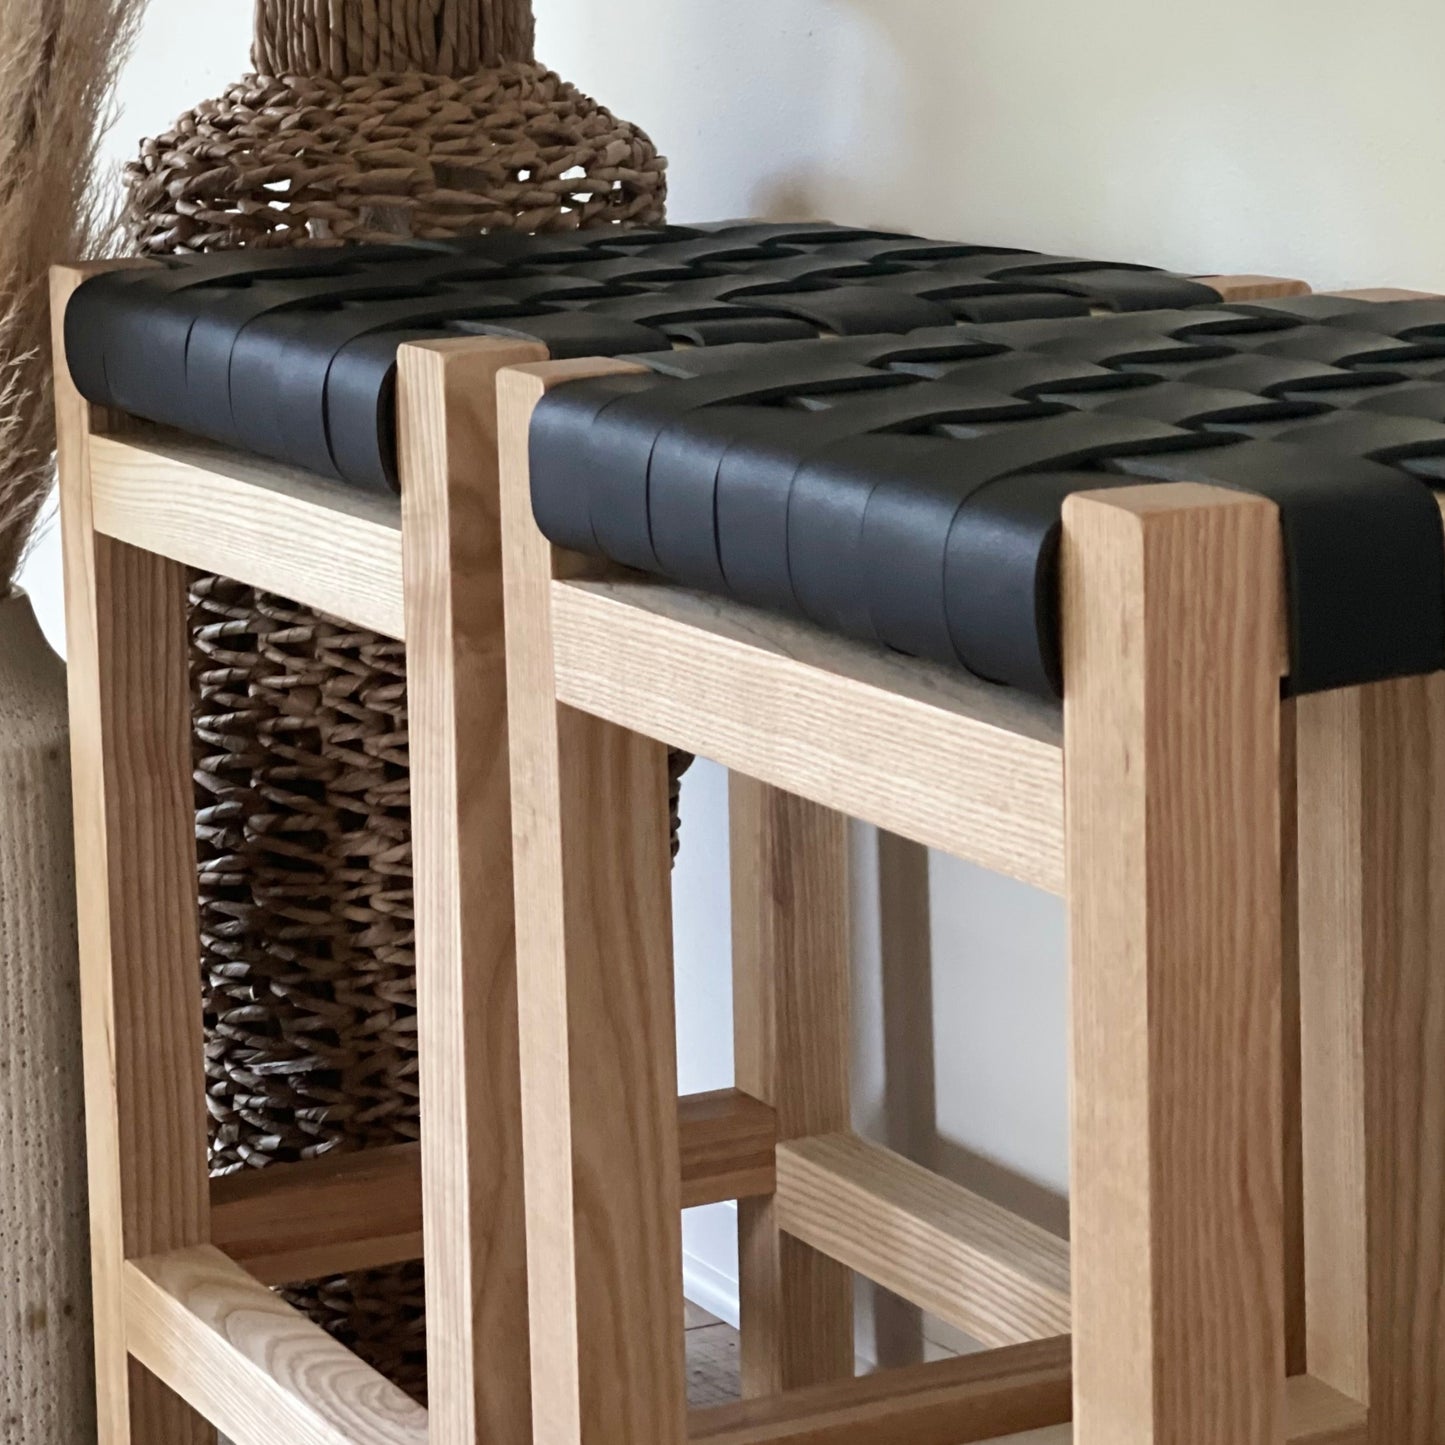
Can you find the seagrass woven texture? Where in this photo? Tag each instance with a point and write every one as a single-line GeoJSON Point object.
{"type": "Point", "coordinates": [378, 118]}
{"type": "Point", "coordinates": [368, 157]}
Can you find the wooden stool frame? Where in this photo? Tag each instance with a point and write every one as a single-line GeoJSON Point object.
{"type": "Point", "coordinates": [1159, 803]}
{"type": "Point", "coordinates": [189, 1336]}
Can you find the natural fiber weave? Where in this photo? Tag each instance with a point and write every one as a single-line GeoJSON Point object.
{"type": "Point", "coordinates": [304, 844]}
{"type": "Point", "coordinates": [304, 159]}
{"type": "Point", "coordinates": [442, 37]}
{"type": "Point", "coordinates": [367, 120]}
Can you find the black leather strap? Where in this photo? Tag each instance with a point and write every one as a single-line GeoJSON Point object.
{"type": "Point", "coordinates": [214, 344]}
{"type": "Point", "coordinates": [1363, 550]}
{"type": "Point", "coordinates": [926, 517]}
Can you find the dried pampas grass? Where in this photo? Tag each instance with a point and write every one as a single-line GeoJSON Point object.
{"type": "Point", "coordinates": [58, 62]}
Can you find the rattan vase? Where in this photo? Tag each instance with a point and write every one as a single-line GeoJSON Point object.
{"type": "Point", "coordinates": [46, 1378]}
{"type": "Point", "coordinates": [363, 121]}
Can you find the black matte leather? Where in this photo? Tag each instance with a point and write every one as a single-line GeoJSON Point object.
{"type": "Point", "coordinates": [921, 509]}
{"type": "Point", "coordinates": [282, 352]}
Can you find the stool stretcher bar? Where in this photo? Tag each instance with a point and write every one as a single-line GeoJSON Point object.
{"type": "Point", "coordinates": [333, 1215]}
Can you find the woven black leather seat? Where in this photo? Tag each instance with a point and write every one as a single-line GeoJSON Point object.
{"type": "Point", "coordinates": [908, 490]}
{"type": "Point", "coordinates": [292, 354]}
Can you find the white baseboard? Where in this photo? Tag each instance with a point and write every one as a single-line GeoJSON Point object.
{"type": "Point", "coordinates": [710, 1289]}
{"type": "Point", "coordinates": [710, 1259]}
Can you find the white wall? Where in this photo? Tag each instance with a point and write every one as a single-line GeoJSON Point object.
{"type": "Point", "coordinates": [1306, 139]}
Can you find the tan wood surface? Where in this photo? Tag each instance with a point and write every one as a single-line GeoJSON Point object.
{"type": "Point", "coordinates": [324, 1216]}
{"type": "Point", "coordinates": [260, 1370]}
{"type": "Point", "coordinates": [793, 1039]}
{"type": "Point", "coordinates": [473, 1206]}
{"type": "Point", "coordinates": [362, 1211]}
{"type": "Point", "coordinates": [919, 749]}
{"type": "Point", "coordinates": [1171, 733]}
{"type": "Point", "coordinates": [975, 1400]}
{"type": "Point", "coordinates": [1255, 288]}
{"type": "Point", "coordinates": [971, 1263]}
{"type": "Point", "coordinates": [936, 1404]}
{"type": "Point", "coordinates": [599, 1071]}
{"type": "Point", "coordinates": [329, 545]}
{"type": "Point", "coordinates": [1372, 904]}
{"type": "Point", "coordinates": [727, 1140]}
{"type": "Point", "coordinates": [1386, 293]}
{"type": "Point", "coordinates": [135, 875]}
{"type": "Point", "coordinates": [1295, 1354]}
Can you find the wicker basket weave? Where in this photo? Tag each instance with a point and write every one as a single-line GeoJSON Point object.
{"type": "Point", "coordinates": [411, 117]}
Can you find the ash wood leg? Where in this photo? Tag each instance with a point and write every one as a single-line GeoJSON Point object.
{"type": "Point", "coordinates": [135, 873]}
{"type": "Point", "coordinates": [1372, 904]}
{"type": "Point", "coordinates": [1295, 1341]}
{"type": "Point", "coordinates": [473, 1211]}
{"type": "Point", "coordinates": [792, 1041]}
{"type": "Point", "coordinates": [1172, 794]}
{"type": "Point", "coordinates": [599, 1070]}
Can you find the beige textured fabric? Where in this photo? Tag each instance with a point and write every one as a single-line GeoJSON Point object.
{"type": "Point", "coordinates": [47, 1393]}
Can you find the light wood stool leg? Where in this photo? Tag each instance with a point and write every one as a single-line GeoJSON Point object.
{"type": "Point", "coordinates": [139, 946]}
{"type": "Point", "coordinates": [1172, 791]}
{"type": "Point", "coordinates": [792, 1043]}
{"type": "Point", "coordinates": [598, 1048]}
{"type": "Point", "coordinates": [1295, 1355]}
{"type": "Point", "coordinates": [1372, 904]}
{"type": "Point", "coordinates": [475, 1230]}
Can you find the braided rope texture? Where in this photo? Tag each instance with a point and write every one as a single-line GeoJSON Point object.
{"type": "Point", "coordinates": [367, 120]}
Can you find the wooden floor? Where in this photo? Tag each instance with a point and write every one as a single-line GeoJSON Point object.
{"type": "Point", "coordinates": [712, 1359]}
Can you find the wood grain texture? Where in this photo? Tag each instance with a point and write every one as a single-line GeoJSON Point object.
{"type": "Point", "coordinates": [971, 1398]}
{"type": "Point", "coordinates": [1296, 1357]}
{"type": "Point", "coordinates": [277, 527]}
{"type": "Point", "coordinates": [1372, 904]}
{"type": "Point", "coordinates": [792, 1043]}
{"type": "Point", "coordinates": [979, 1399]}
{"type": "Point", "coordinates": [1385, 293]}
{"type": "Point", "coordinates": [260, 1370]}
{"type": "Point", "coordinates": [324, 1216]}
{"type": "Point", "coordinates": [1171, 735]}
{"type": "Point", "coordinates": [599, 1071]}
{"type": "Point", "coordinates": [135, 876]}
{"type": "Point", "coordinates": [727, 1141]}
{"type": "Point", "coordinates": [973, 1264]}
{"type": "Point", "coordinates": [473, 1205]}
{"type": "Point", "coordinates": [922, 750]}
{"type": "Point", "coordinates": [1255, 288]}
{"type": "Point", "coordinates": [362, 1211]}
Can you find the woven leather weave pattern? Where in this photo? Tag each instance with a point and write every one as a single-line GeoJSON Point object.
{"type": "Point", "coordinates": [908, 490]}
{"type": "Point", "coordinates": [292, 354]}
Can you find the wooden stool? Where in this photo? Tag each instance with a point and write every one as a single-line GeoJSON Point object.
{"type": "Point", "coordinates": [190, 1337]}
{"type": "Point", "coordinates": [1162, 797]}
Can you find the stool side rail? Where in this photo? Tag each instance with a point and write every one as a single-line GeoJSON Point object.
{"type": "Point", "coordinates": [263, 523]}
{"type": "Point", "coordinates": [971, 769]}
{"type": "Point", "coordinates": [293, 1222]}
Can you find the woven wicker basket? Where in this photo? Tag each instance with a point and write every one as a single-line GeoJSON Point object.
{"type": "Point", "coordinates": [408, 117]}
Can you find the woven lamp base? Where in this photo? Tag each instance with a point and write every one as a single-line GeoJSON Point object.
{"type": "Point", "coordinates": [299, 160]}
